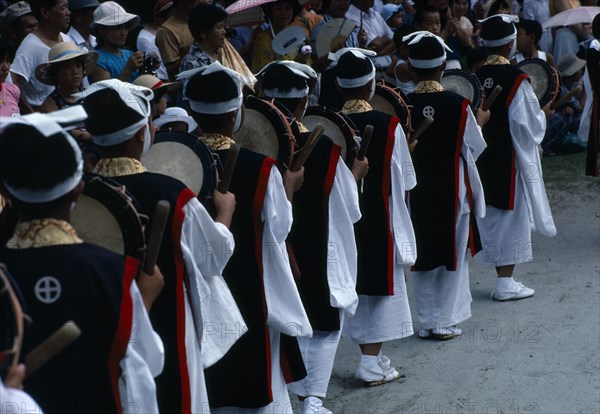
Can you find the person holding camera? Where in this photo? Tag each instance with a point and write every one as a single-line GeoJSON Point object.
{"type": "Point", "coordinates": [111, 27]}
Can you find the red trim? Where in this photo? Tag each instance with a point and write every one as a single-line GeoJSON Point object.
{"type": "Point", "coordinates": [513, 171]}
{"type": "Point", "coordinates": [334, 157]}
{"type": "Point", "coordinates": [514, 88]}
{"type": "Point", "coordinates": [459, 141]}
{"type": "Point", "coordinates": [386, 187]}
{"type": "Point", "coordinates": [178, 216]}
{"type": "Point", "coordinates": [123, 332]}
{"type": "Point", "coordinates": [257, 205]}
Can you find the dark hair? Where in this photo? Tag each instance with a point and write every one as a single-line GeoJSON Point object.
{"type": "Point", "coordinates": [29, 159]}
{"type": "Point", "coordinates": [476, 55]}
{"type": "Point", "coordinates": [268, 8]}
{"type": "Point", "coordinates": [500, 4]}
{"type": "Point", "coordinates": [38, 5]}
{"type": "Point", "coordinates": [211, 122]}
{"type": "Point", "coordinates": [203, 18]}
{"type": "Point", "coordinates": [402, 31]}
{"type": "Point", "coordinates": [531, 27]}
{"type": "Point", "coordinates": [422, 11]}
{"type": "Point", "coordinates": [107, 113]}
{"type": "Point", "coordinates": [7, 50]}
{"type": "Point", "coordinates": [280, 77]}
{"type": "Point", "coordinates": [596, 27]}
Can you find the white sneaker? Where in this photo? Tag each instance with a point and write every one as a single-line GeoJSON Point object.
{"type": "Point", "coordinates": [313, 405]}
{"type": "Point", "coordinates": [516, 291]}
{"type": "Point", "coordinates": [376, 370]}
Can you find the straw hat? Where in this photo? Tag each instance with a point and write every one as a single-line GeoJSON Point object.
{"type": "Point", "coordinates": [63, 52]}
{"type": "Point", "coordinates": [157, 86]}
{"type": "Point", "coordinates": [110, 13]}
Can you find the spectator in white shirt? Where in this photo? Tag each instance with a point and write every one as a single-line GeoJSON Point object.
{"type": "Point", "coordinates": [54, 18]}
{"type": "Point", "coordinates": [82, 17]}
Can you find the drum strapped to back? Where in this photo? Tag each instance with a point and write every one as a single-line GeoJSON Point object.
{"type": "Point", "coordinates": [105, 215]}
{"type": "Point", "coordinates": [545, 81]}
{"type": "Point", "coordinates": [268, 131]}
{"type": "Point", "coordinates": [464, 84]}
{"type": "Point", "coordinates": [338, 127]}
{"type": "Point", "coordinates": [108, 216]}
{"type": "Point", "coordinates": [392, 101]}
{"type": "Point", "coordinates": [186, 157]}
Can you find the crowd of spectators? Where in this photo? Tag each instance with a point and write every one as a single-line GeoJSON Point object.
{"type": "Point", "coordinates": [180, 35]}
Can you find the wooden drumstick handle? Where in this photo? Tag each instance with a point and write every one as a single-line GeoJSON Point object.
{"type": "Point", "coordinates": [232, 155]}
{"type": "Point", "coordinates": [421, 128]}
{"type": "Point", "coordinates": [364, 143]}
{"type": "Point", "coordinates": [311, 142]}
{"type": "Point", "coordinates": [559, 102]}
{"type": "Point", "coordinates": [52, 346]}
{"type": "Point", "coordinates": [157, 228]}
{"type": "Point", "coordinates": [492, 98]}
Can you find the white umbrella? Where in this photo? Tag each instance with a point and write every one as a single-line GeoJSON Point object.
{"type": "Point", "coordinates": [573, 16]}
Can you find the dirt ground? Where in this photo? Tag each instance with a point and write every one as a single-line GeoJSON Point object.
{"type": "Point", "coordinates": [540, 355]}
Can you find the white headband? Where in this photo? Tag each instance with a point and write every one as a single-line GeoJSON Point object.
{"type": "Point", "coordinates": [356, 82]}
{"type": "Point", "coordinates": [359, 53]}
{"type": "Point", "coordinates": [299, 69]}
{"type": "Point", "coordinates": [426, 63]}
{"type": "Point", "coordinates": [48, 125]}
{"type": "Point", "coordinates": [506, 18]}
{"type": "Point", "coordinates": [356, 51]}
{"type": "Point", "coordinates": [136, 97]}
{"type": "Point", "coordinates": [215, 108]}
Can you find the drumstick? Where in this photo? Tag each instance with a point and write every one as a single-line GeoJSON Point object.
{"type": "Point", "coordinates": [364, 143]}
{"type": "Point", "coordinates": [232, 155]}
{"type": "Point", "coordinates": [559, 102]}
{"type": "Point", "coordinates": [52, 346]}
{"type": "Point", "coordinates": [492, 98]}
{"type": "Point", "coordinates": [421, 128]}
{"type": "Point", "coordinates": [308, 147]}
{"type": "Point", "coordinates": [159, 221]}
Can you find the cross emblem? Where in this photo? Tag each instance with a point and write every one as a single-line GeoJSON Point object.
{"type": "Point", "coordinates": [47, 289]}
{"type": "Point", "coordinates": [488, 83]}
{"type": "Point", "coordinates": [428, 111]}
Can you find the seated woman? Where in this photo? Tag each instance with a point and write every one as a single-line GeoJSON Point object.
{"type": "Point", "coordinates": [111, 27]}
{"type": "Point", "coordinates": [65, 70]}
{"type": "Point", "coordinates": [280, 14]}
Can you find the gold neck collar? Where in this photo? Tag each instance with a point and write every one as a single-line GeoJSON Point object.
{"type": "Point", "coordinates": [356, 106]}
{"type": "Point", "coordinates": [216, 141]}
{"type": "Point", "coordinates": [496, 60]}
{"type": "Point", "coordinates": [428, 86]}
{"type": "Point", "coordinates": [117, 167]}
{"type": "Point", "coordinates": [42, 233]}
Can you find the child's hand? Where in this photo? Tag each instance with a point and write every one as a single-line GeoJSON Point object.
{"type": "Point", "coordinates": [482, 116]}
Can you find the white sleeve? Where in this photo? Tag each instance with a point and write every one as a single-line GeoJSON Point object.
{"type": "Point", "coordinates": [403, 179]}
{"type": "Point", "coordinates": [210, 243]}
{"type": "Point", "coordinates": [286, 313]}
{"type": "Point", "coordinates": [527, 127]}
{"type": "Point", "coordinates": [206, 247]}
{"type": "Point", "coordinates": [17, 401]}
{"type": "Point", "coordinates": [527, 120]}
{"type": "Point", "coordinates": [344, 211]}
{"type": "Point", "coordinates": [473, 146]}
{"type": "Point", "coordinates": [143, 361]}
